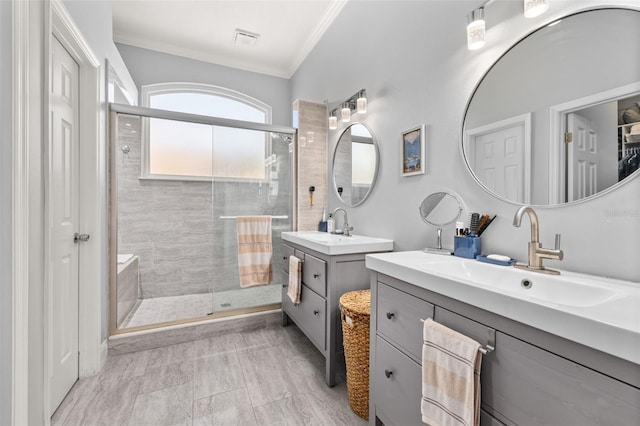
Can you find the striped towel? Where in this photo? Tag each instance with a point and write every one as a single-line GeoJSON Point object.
{"type": "Point", "coordinates": [450, 377]}
{"type": "Point", "coordinates": [295, 279]}
{"type": "Point", "coordinates": [255, 250]}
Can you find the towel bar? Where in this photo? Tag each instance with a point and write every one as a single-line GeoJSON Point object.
{"type": "Point", "coordinates": [272, 217]}
{"type": "Point", "coordinates": [484, 350]}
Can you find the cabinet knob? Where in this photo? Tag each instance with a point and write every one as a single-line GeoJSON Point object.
{"type": "Point", "coordinates": [316, 312]}
{"type": "Point", "coordinates": [388, 373]}
{"type": "Point", "coordinates": [316, 276]}
{"type": "Point", "coordinates": [390, 315]}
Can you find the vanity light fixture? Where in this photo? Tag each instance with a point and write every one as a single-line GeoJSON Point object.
{"type": "Point", "coordinates": [475, 29]}
{"type": "Point", "coordinates": [533, 8]}
{"type": "Point", "coordinates": [361, 102]}
{"type": "Point", "coordinates": [355, 104]}
{"type": "Point", "coordinates": [333, 120]}
{"type": "Point", "coordinates": [345, 113]}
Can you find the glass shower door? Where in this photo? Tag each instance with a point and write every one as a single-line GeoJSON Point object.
{"type": "Point", "coordinates": [252, 178]}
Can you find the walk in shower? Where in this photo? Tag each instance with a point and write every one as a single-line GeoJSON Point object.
{"type": "Point", "coordinates": [178, 183]}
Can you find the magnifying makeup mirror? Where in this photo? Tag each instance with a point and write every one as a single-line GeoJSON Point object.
{"type": "Point", "coordinates": [439, 210]}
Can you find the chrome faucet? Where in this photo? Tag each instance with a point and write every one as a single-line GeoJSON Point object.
{"type": "Point", "coordinates": [346, 229]}
{"type": "Point", "coordinates": [536, 252]}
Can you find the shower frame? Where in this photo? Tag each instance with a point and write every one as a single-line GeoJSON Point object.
{"type": "Point", "coordinates": [112, 200]}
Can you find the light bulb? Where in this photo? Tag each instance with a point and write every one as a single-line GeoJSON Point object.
{"type": "Point", "coordinates": [345, 113]}
{"type": "Point", "coordinates": [533, 8]}
{"type": "Point", "coordinates": [362, 105]}
{"type": "Point", "coordinates": [333, 122]}
{"type": "Point", "coordinates": [475, 29]}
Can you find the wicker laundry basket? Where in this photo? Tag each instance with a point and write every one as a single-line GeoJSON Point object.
{"type": "Point", "coordinates": [355, 307]}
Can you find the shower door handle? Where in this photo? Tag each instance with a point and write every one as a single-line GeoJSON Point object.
{"type": "Point", "coordinates": [80, 237]}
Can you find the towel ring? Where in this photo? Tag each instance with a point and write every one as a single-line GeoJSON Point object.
{"type": "Point", "coordinates": [483, 350]}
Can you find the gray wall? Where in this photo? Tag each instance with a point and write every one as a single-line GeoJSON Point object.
{"type": "Point", "coordinates": [5, 212]}
{"type": "Point", "coordinates": [150, 67]}
{"type": "Point", "coordinates": [412, 59]}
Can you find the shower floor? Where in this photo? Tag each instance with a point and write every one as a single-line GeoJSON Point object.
{"type": "Point", "coordinates": [173, 308]}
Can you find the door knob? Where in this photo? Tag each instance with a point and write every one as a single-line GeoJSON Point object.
{"type": "Point", "coordinates": [388, 373]}
{"type": "Point", "coordinates": [390, 315]}
{"type": "Point", "coordinates": [80, 237]}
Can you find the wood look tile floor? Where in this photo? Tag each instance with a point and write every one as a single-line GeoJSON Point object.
{"type": "Point", "coordinates": [269, 376]}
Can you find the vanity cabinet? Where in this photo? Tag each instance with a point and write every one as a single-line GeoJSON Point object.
{"type": "Point", "coordinates": [324, 279]}
{"type": "Point", "coordinates": [528, 379]}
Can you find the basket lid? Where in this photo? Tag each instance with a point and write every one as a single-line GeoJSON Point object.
{"type": "Point", "coordinates": [358, 301]}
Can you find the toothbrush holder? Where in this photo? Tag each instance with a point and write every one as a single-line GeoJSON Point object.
{"type": "Point", "coordinates": [467, 246]}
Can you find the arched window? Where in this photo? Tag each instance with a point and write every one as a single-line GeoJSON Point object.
{"type": "Point", "coordinates": [181, 150]}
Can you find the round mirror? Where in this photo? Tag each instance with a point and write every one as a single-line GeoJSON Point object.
{"type": "Point", "coordinates": [440, 209]}
{"type": "Point", "coordinates": [557, 118]}
{"type": "Point", "coordinates": [355, 164]}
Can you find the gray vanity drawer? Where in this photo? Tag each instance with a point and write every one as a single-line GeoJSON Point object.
{"type": "Point", "coordinates": [398, 396]}
{"type": "Point", "coordinates": [314, 274]}
{"type": "Point", "coordinates": [528, 386]}
{"type": "Point", "coordinates": [309, 315]}
{"type": "Point", "coordinates": [482, 334]}
{"type": "Point", "coordinates": [398, 318]}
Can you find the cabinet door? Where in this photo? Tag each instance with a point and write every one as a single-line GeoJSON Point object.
{"type": "Point", "coordinates": [314, 274]}
{"type": "Point", "coordinates": [530, 386]}
{"type": "Point", "coordinates": [309, 315]}
{"type": "Point", "coordinates": [398, 318]}
{"type": "Point", "coordinates": [398, 383]}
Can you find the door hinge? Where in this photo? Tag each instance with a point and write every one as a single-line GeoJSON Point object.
{"type": "Point", "coordinates": [568, 137]}
{"type": "Point", "coordinates": [80, 237]}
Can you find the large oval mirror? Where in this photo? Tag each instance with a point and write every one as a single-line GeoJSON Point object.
{"type": "Point", "coordinates": [557, 118]}
{"type": "Point", "coordinates": [355, 164]}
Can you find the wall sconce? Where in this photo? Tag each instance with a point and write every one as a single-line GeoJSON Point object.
{"type": "Point", "coordinates": [355, 104]}
{"type": "Point", "coordinates": [533, 8]}
{"type": "Point", "coordinates": [475, 29]}
{"type": "Point", "coordinates": [345, 113]}
{"type": "Point", "coordinates": [333, 120]}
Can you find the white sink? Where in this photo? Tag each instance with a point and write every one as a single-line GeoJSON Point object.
{"type": "Point", "coordinates": [566, 289]}
{"type": "Point", "coordinates": [333, 244]}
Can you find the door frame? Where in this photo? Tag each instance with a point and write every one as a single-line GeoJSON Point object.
{"type": "Point", "coordinates": [31, 205]}
{"type": "Point", "coordinates": [525, 121]}
{"type": "Point", "coordinates": [558, 128]}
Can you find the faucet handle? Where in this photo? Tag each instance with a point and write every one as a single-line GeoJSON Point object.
{"type": "Point", "coordinates": [557, 247]}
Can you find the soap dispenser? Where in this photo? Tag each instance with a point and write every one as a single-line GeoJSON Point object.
{"type": "Point", "coordinates": [331, 224]}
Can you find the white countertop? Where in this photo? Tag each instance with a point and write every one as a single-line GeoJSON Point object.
{"type": "Point", "coordinates": [333, 244]}
{"type": "Point", "coordinates": [597, 312]}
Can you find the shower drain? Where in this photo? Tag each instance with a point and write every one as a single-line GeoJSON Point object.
{"type": "Point", "coordinates": [225, 305]}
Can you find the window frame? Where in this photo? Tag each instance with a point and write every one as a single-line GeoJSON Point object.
{"type": "Point", "coordinates": [149, 90]}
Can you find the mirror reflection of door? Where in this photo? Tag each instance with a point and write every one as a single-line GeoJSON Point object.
{"type": "Point", "coordinates": [501, 156]}
{"type": "Point", "coordinates": [582, 158]}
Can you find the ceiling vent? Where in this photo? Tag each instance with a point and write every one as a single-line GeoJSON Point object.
{"type": "Point", "coordinates": [245, 38]}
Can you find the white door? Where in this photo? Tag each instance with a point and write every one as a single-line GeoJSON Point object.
{"type": "Point", "coordinates": [582, 158]}
{"type": "Point", "coordinates": [499, 161]}
{"type": "Point", "coordinates": [63, 216]}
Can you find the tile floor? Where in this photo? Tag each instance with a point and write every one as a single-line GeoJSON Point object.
{"type": "Point", "coordinates": [161, 309]}
{"type": "Point", "coordinates": [269, 376]}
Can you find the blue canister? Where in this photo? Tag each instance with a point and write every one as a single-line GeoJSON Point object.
{"type": "Point", "coordinates": [466, 246]}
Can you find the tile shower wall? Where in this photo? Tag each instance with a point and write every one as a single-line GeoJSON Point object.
{"type": "Point", "coordinates": [184, 247]}
{"type": "Point", "coordinates": [312, 162]}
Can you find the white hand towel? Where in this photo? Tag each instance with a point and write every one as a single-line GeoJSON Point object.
{"type": "Point", "coordinates": [295, 279]}
{"type": "Point", "coordinates": [450, 377]}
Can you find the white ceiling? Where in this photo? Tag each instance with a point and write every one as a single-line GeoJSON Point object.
{"type": "Point", "coordinates": [205, 29]}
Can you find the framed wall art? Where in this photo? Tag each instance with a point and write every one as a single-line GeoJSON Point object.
{"type": "Point", "coordinates": [413, 151]}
